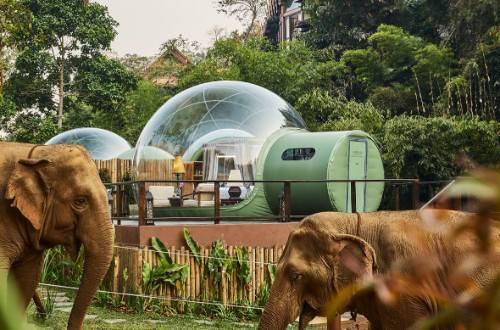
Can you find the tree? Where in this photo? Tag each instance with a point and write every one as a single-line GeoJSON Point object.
{"type": "Point", "coordinates": [291, 71]}
{"type": "Point", "coordinates": [192, 49]}
{"type": "Point", "coordinates": [426, 148]}
{"type": "Point", "coordinates": [247, 11]}
{"type": "Point", "coordinates": [140, 106]}
{"type": "Point", "coordinates": [347, 24]}
{"type": "Point", "coordinates": [399, 66]}
{"type": "Point", "coordinates": [31, 127]}
{"type": "Point", "coordinates": [63, 36]}
{"type": "Point", "coordinates": [216, 33]}
{"type": "Point", "coordinates": [14, 20]}
{"type": "Point", "coordinates": [469, 23]}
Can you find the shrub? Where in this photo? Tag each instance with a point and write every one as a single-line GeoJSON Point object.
{"type": "Point", "coordinates": [426, 148]}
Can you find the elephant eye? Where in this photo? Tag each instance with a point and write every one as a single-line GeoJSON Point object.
{"type": "Point", "coordinates": [296, 276]}
{"type": "Point", "coordinates": [80, 202]}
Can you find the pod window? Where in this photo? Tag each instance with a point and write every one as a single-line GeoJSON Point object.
{"type": "Point", "coordinates": [298, 154]}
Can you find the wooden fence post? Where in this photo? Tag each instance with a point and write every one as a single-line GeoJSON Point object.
{"type": "Point", "coordinates": [287, 201]}
{"type": "Point", "coordinates": [142, 203]}
{"type": "Point", "coordinates": [415, 194]}
{"type": "Point", "coordinates": [119, 200]}
{"type": "Point", "coordinates": [353, 196]}
{"type": "Point", "coordinates": [398, 206]}
{"type": "Point", "coordinates": [217, 202]}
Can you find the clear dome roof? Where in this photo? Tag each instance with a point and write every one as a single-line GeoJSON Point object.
{"type": "Point", "coordinates": [216, 111]}
{"type": "Point", "coordinates": [100, 143]}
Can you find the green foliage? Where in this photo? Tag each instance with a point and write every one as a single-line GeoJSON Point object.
{"type": "Point", "coordinates": [59, 269]}
{"type": "Point", "coordinates": [290, 71]}
{"type": "Point", "coordinates": [165, 272]}
{"type": "Point", "coordinates": [103, 84]}
{"type": "Point", "coordinates": [396, 100]}
{"type": "Point", "coordinates": [426, 148]}
{"type": "Point", "coordinates": [14, 20]}
{"type": "Point", "coordinates": [193, 246]}
{"type": "Point", "coordinates": [139, 106]}
{"type": "Point", "coordinates": [161, 250]}
{"type": "Point", "coordinates": [219, 263]}
{"type": "Point", "coordinates": [62, 49]}
{"type": "Point", "coordinates": [347, 24]}
{"type": "Point", "coordinates": [404, 63]}
{"type": "Point", "coordinates": [351, 115]}
{"type": "Point", "coordinates": [48, 304]}
{"type": "Point", "coordinates": [10, 312]}
{"type": "Point", "coordinates": [192, 49]}
{"type": "Point", "coordinates": [272, 269]}
{"type": "Point", "coordinates": [154, 276]}
{"type": "Point", "coordinates": [242, 266]}
{"type": "Point", "coordinates": [316, 107]}
{"type": "Point", "coordinates": [31, 127]}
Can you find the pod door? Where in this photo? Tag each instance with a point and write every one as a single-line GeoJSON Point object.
{"type": "Point", "coordinates": [358, 150]}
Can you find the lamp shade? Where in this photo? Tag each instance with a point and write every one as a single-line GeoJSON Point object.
{"type": "Point", "coordinates": [178, 165]}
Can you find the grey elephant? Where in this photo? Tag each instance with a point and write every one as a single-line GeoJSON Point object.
{"type": "Point", "coordinates": [330, 251]}
{"type": "Point", "coordinates": [52, 195]}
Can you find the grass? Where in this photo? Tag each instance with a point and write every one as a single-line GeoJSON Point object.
{"type": "Point", "coordinates": [136, 321]}
{"type": "Point", "coordinates": [57, 320]}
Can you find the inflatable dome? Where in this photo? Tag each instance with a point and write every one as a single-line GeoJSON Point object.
{"type": "Point", "coordinates": [220, 111]}
{"type": "Point", "coordinates": [100, 143]}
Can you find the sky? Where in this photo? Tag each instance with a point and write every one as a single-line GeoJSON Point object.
{"type": "Point", "coordinates": [146, 24]}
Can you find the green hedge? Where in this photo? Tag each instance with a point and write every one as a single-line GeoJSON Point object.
{"type": "Point", "coordinates": [427, 148]}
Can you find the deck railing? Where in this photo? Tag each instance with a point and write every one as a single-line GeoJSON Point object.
{"type": "Point", "coordinates": [405, 194]}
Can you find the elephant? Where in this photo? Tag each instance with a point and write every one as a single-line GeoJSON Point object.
{"type": "Point", "coordinates": [318, 258]}
{"type": "Point", "coordinates": [52, 195]}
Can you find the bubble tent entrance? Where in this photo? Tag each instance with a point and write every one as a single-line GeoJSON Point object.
{"type": "Point", "coordinates": [233, 126]}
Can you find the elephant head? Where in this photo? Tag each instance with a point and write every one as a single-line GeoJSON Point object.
{"type": "Point", "coordinates": [315, 265]}
{"type": "Point", "coordinates": [61, 201]}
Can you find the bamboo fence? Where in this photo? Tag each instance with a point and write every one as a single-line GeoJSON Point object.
{"type": "Point", "coordinates": [148, 170]}
{"type": "Point", "coordinates": [125, 275]}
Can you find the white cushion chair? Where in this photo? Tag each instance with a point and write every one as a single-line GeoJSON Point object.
{"type": "Point", "coordinates": [161, 194]}
{"type": "Point", "coordinates": [205, 193]}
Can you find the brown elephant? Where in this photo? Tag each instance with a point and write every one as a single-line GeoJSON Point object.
{"type": "Point", "coordinates": [52, 195]}
{"type": "Point", "coordinates": [318, 262]}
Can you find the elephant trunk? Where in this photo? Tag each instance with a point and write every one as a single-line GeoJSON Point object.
{"type": "Point", "coordinates": [282, 307]}
{"type": "Point", "coordinates": [98, 245]}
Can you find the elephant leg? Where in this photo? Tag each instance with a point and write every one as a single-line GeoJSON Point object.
{"type": "Point", "coordinates": [40, 308]}
{"type": "Point", "coordinates": [26, 274]}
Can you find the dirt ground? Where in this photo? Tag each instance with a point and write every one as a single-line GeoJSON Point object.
{"type": "Point", "coordinates": [361, 323]}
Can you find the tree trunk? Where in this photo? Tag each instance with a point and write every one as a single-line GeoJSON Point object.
{"type": "Point", "coordinates": [249, 30]}
{"type": "Point", "coordinates": [2, 73]}
{"type": "Point", "coordinates": [61, 92]}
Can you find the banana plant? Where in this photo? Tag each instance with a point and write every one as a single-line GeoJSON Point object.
{"type": "Point", "coordinates": [166, 272]}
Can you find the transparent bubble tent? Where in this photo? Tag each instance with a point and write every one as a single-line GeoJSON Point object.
{"type": "Point", "coordinates": [216, 111]}
{"type": "Point", "coordinates": [100, 143]}
{"type": "Point", "coordinates": [240, 131]}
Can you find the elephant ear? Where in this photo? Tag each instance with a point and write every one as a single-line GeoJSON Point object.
{"type": "Point", "coordinates": [27, 190]}
{"type": "Point", "coordinates": [355, 259]}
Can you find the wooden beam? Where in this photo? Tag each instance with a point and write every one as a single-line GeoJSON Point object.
{"type": "Point", "coordinates": [217, 202]}
{"type": "Point", "coordinates": [415, 194]}
{"type": "Point", "coordinates": [142, 204]}
{"type": "Point", "coordinates": [287, 200]}
{"type": "Point", "coordinates": [353, 197]}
